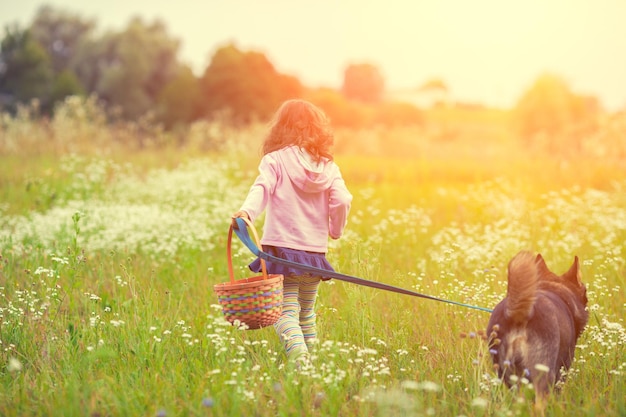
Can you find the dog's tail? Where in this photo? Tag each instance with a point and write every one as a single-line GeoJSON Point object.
{"type": "Point", "coordinates": [522, 288]}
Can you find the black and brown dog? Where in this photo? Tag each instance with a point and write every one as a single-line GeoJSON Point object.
{"type": "Point", "coordinates": [533, 331]}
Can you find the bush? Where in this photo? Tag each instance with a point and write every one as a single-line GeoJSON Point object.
{"type": "Point", "coordinates": [552, 118]}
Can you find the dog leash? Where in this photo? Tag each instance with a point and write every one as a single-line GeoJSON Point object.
{"type": "Point", "coordinates": [242, 233]}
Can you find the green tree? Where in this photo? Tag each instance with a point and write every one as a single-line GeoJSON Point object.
{"type": "Point", "coordinates": [244, 85]}
{"type": "Point", "coordinates": [61, 34]}
{"type": "Point", "coordinates": [178, 101]}
{"type": "Point", "coordinates": [363, 82]}
{"type": "Point", "coordinates": [94, 58]}
{"type": "Point", "coordinates": [25, 68]}
{"type": "Point", "coordinates": [129, 69]}
{"type": "Point", "coordinates": [65, 84]}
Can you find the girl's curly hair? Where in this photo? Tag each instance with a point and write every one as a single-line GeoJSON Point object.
{"type": "Point", "coordinates": [301, 123]}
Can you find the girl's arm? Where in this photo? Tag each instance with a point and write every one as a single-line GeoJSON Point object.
{"type": "Point", "coordinates": [261, 189]}
{"type": "Point", "coordinates": [339, 203]}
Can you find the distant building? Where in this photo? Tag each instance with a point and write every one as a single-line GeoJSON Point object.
{"type": "Point", "coordinates": [430, 94]}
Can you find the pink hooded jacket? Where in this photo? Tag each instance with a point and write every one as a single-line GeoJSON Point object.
{"type": "Point", "coordinates": [306, 201]}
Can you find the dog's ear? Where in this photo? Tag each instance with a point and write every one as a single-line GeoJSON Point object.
{"type": "Point", "coordinates": [573, 274]}
{"type": "Point", "coordinates": [542, 268]}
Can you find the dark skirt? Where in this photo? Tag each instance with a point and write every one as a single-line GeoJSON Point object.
{"type": "Point", "coordinates": [314, 259]}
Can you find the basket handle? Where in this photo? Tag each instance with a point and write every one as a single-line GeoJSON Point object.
{"type": "Point", "coordinates": [229, 252]}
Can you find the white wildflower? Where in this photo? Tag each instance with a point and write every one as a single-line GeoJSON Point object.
{"type": "Point", "coordinates": [14, 365]}
{"type": "Point", "coordinates": [480, 402]}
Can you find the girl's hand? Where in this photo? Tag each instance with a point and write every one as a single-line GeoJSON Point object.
{"type": "Point", "coordinates": [240, 213]}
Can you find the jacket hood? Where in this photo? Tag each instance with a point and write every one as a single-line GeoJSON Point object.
{"type": "Point", "coordinates": [304, 173]}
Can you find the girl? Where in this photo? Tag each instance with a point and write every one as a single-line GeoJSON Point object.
{"type": "Point", "coordinates": [307, 201]}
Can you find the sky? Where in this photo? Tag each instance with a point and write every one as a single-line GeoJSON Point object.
{"type": "Point", "coordinates": [485, 51]}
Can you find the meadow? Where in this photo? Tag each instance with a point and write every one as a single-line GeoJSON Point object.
{"type": "Point", "coordinates": [110, 246]}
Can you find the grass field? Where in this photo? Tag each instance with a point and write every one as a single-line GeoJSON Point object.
{"type": "Point", "coordinates": [109, 255]}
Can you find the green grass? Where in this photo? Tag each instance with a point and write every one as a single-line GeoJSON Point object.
{"type": "Point", "coordinates": [110, 312]}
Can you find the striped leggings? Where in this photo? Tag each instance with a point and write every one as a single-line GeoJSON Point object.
{"type": "Point", "coordinates": [296, 325]}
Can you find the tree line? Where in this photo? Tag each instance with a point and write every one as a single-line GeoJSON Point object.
{"type": "Point", "coordinates": [136, 71]}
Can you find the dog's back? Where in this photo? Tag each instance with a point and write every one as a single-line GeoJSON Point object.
{"type": "Point", "coordinates": [533, 331]}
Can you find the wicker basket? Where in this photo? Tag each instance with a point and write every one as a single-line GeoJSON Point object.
{"type": "Point", "coordinates": [252, 302]}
